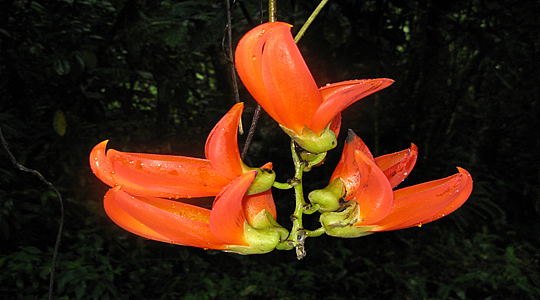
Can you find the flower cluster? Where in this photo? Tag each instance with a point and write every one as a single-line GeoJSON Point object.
{"type": "Point", "coordinates": [360, 199]}
{"type": "Point", "coordinates": [242, 218]}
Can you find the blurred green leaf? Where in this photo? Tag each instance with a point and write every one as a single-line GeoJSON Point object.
{"type": "Point", "coordinates": [59, 122]}
{"type": "Point", "coordinates": [175, 35]}
{"type": "Point", "coordinates": [61, 66]}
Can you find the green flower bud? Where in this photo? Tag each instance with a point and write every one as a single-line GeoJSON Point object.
{"type": "Point", "coordinates": [262, 236]}
{"type": "Point", "coordinates": [341, 224]}
{"type": "Point", "coordinates": [313, 142]}
{"type": "Point", "coordinates": [312, 159]}
{"type": "Point", "coordinates": [331, 198]}
{"type": "Point", "coordinates": [262, 182]}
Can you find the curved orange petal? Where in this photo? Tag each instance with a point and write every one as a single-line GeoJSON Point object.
{"type": "Point", "coordinates": [253, 204]}
{"type": "Point", "coordinates": [228, 216]}
{"type": "Point", "coordinates": [330, 89]}
{"type": "Point", "coordinates": [355, 142]}
{"type": "Point", "coordinates": [288, 81]}
{"type": "Point", "coordinates": [156, 175]}
{"type": "Point", "coordinates": [347, 169]}
{"type": "Point", "coordinates": [427, 202]}
{"type": "Point", "coordinates": [327, 91]}
{"type": "Point", "coordinates": [339, 96]}
{"type": "Point", "coordinates": [221, 147]}
{"type": "Point", "coordinates": [248, 61]}
{"type": "Point", "coordinates": [373, 192]}
{"type": "Point", "coordinates": [127, 221]}
{"type": "Point", "coordinates": [161, 219]}
{"type": "Point", "coordinates": [100, 165]}
{"type": "Point", "coordinates": [397, 166]}
{"type": "Point", "coordinates": [335, 126]}
{"type": "Point", "coordinates": [458, 201]}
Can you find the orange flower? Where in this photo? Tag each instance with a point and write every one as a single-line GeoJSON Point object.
{"type": "Point", "coordinates": [236, 223]}
{"type": "Point", "coordinates": [271, 67]}
{"type": "Point", "coordinates": [176, 177]}
{"type": "Point", "coordinates": [242, 218]}
{"type": "Point", "coordinates": [369, 182]}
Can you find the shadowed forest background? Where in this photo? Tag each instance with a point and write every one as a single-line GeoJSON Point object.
{"type": "Point", "coordinates": [152, 76]}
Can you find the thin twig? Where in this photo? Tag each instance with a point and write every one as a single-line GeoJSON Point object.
{"type": "Point", "coordinates": [310, 20]}
{"type": "Point", "coordinates": [231, 60]}
{"type": "Point", "coordinates": [251, 132]}
{"type": "Point", "coordinates": [257, 113]}
{"type": "Point", "coordinates": [17, 165]}
{"type": "Point", "coordinates": [272, 11]}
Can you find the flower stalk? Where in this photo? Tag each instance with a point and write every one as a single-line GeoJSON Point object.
{"type": "Point", "coordinates": [310, 20]}
{"type": "Point", "coordinates": [298, 234]}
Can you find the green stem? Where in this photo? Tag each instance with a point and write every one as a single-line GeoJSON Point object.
{"type": "Point", "coordinates": [282, 186]}
{"type": "Point", "coordinates": [309, 20]}
{"type": "Point", "coordinates": [272, 11]}
{"type": "Point", "coordinates": [316, 232]}
{"type": "Point", "coordinates": [298, 234]}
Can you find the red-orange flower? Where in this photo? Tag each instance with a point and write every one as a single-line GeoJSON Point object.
{"type": "Point", "coordinates": [178, 176]}
{"type": "Point", "coordinates": [369, 181]}
{"type": "Point", "coordinates": [271, 67]}
{"type": "Point", "coordinates": [242, 218]}
{"type": "Point", "coordinates": [236, 223]}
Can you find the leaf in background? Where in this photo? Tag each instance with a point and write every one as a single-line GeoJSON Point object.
{"type": "Point", "coordinates": [175, 35]}
{"type": "Point", "coordinates": [89, 59]}
{"type": "Point", "coordinates": [59, 122]}
{"type": "Point", "coordinates": [61, 66]}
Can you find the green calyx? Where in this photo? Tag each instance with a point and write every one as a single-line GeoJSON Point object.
{"type": "Point", "coordinates": [342, 223]}
{"type": "Point", "coordinates": [331, 198]}
{"type": "Point", "coordinates": [313, 142]}
{"type": "Point", "coordinates": [311, 159]}
{"type": "Point", "coordinates": [262, 182]}
{"type": "Point", "coordinates": [262, 236]}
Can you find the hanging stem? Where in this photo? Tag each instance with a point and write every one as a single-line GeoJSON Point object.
{"type": "Point", "coordinates": [231, 61]}
{"type": "Point", "coordinates": [272, 11]}
{"type": "Point", "coordinates": [256, 115]}
{"type": "Point", "coordinates": [297, 231]}
{"type": "Point", "coordinates": [298, 234]}
{"type": "Point", "coordinates": [310, 20]}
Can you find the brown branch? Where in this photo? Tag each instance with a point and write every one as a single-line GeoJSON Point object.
{"type": "Point", "coordinates": [19, 166]}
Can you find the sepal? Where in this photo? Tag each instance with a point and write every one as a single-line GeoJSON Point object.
{"type": "Point", "coordinates": [263, 181]}
{"type": "Point", "coordinates": [341, 224]}
{"type": "Point", "coordinates": [262, 236]}
{"type": "Point", "coordinates": [311, 159]}
{"type": "Point", "coordinates": [311, 141]}
{"type": "Point", "coordinates": [331, 198]}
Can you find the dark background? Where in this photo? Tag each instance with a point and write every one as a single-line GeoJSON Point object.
{"type": "Point", "coordinates": [152, 76]}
